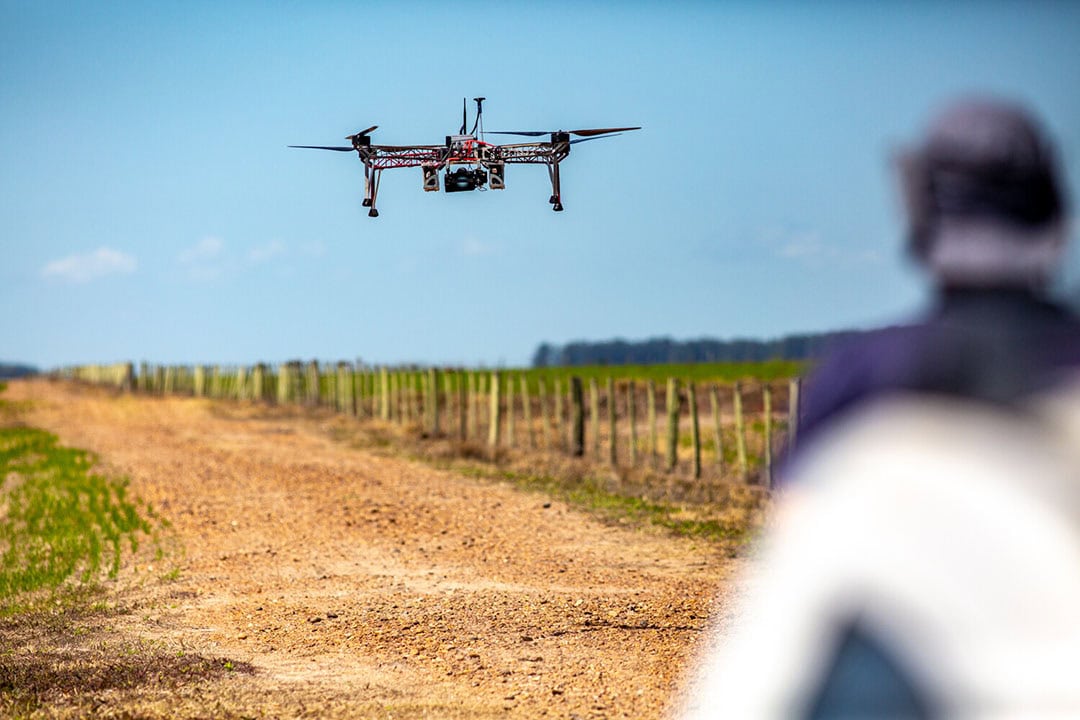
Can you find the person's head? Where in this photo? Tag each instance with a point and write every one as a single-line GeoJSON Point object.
{"type": "Point", "coordinates": [984, 198]}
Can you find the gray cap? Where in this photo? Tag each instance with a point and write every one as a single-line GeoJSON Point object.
{"type": "Point", "coordinates": [983, 196]}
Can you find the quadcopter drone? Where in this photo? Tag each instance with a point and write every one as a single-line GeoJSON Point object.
{"type": "Point", "coordinates": [478, 163]}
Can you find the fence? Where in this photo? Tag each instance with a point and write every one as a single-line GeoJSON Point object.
{"type": "Point", "coordinates": [728, 430]}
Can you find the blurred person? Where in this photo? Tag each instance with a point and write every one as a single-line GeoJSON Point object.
{"type": "Point", "coordinates": [987, 222]}
{"type": "Point", "coordinates": [923, 560]}
{"type": "Point", "coordinates": [924, 564]}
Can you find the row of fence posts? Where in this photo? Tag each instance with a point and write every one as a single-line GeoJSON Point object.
{"type": "Point", "coordinates": [451, 403]}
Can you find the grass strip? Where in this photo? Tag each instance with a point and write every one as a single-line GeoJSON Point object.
{"type": "Point", "coordinates": [592, 495]}
{"type": "Point", "coordinates": [59, 520]}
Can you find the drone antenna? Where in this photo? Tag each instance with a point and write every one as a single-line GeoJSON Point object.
{"type": "Point", "coordinates": [479, 114]}
{"type": "Point", "coordinates": [464, 118]}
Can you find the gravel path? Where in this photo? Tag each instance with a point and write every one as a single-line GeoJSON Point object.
{"type": "Point", "coordinates": [341, 583]}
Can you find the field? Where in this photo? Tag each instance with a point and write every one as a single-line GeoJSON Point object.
{"type": "Point", "coordinates": [300, 561]}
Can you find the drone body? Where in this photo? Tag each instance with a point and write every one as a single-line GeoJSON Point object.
{"type": "Point", "coordinates": [469, 162]}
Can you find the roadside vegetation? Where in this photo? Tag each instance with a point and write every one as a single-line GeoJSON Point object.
{"type": "Point", "coordinates": [63, 526]}
{"type": "Point", "coordinates": [66, 530]}
{"type": "Point", "coordinates": [61, 520]}
{"type": "Point", "coordinates": [726, 513]}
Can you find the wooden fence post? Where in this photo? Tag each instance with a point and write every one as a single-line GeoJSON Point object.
{"type": "Point", "coordinates": [471, 432]}
{"type": "Point", "coordinates": [357, 389]}
{"type": "Point", "coordinates": [463, 405]}
{"type": "Point", "coordinates": [526, 404]}
{"type": "Point", "coordinates": [354, 393]}
{"type": "Point", "coordinates": [483, 389]}
{"type": "Point", "coordinates": [695, 433]}
{"type": "Point", "coordinates": [510, 410]}
{"type": "Point", "coordinates": [577, 415]}
{"type": "Point", "coordinates": [257, 382]}
{"type": "Point", "coordinates": [612, 445]}
{"type": "Point", "coordinates": [494, 414]}
{"type": "Point", "coordinates": [416, 395]}
{"type": "Point", "coordinates": [560, 432]}
{"type": "Point", "coordinates": [405, 396]}
{"type": "Point", "coordinates": [448, 395]}
{"type": "Point", "coordinates": [241, 390]}
{"type": "Point", "coordinates": [594, 416]}
{"type": "Point", "coordinates": [631, 412]}
{"type": "Point", "coordinates": [545, 422]}
{"type": "Point", "coordinates": [384, 394]}
{"type": "Point", "coordinates": [766, 401]}
{"type": "Point", "coordinates": [433, 390]}
{"type": "Point", "coordinates": [374, 385]}
{"type": "Point", "coordinates": [404, 406]}
{"type": "Point", "coordinates": [650, 401]}
{"type": "Point", "coordinates": [283, 384]}
{"type": "Point", "coordinates": [718, 436]}
{"type": "Point", "coordinates": [312, 383]}
{"type": "Point", "coordinates": [396, 395]}
{"type": "Point", "coordinates": [672, 423]}
{"type": "Point", "coordinates": [740, 429]}
{"type": "Point", "coordinates": [342, 389]}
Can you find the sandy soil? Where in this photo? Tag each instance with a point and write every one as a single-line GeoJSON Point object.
{"type": "Point", "coordinates": [332, 582]}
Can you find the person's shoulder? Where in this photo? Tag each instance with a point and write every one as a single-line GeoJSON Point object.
{"type": "Point", "coordinates": [867, 347]}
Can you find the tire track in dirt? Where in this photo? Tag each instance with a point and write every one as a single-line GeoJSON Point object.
{"type": "Point", "coordinates": [356, 584]}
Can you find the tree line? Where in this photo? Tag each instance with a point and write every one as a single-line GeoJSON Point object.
{"type": "Point", "coordinates": [15, 370]}
{"type": "Point", "coordinates": [666, 350]}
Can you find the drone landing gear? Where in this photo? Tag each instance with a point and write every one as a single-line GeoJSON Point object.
{"type": "Point", "coordinates": [556, 197]}
{"type": "Point", "coordinates": [371, 190]}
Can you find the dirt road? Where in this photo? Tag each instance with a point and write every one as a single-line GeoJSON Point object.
{"type": "Point", "coordinates": [331, 582]}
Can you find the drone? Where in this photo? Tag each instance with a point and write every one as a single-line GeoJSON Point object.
{"type": "Point", "coordinates": [469, 162]}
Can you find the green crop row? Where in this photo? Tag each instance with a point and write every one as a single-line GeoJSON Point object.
{"type": "Point", "coordinates": [62, 520]}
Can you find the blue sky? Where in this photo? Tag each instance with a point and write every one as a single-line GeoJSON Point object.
{"type": "Point", "coordinates": [151, 209]}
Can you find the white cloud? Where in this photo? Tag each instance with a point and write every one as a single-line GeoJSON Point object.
{"type": "Point", "coordinates": [803, 246]}
{"type": "Point", "coordinates": [807, 247]}
{"type": "Point", "coordinates": [81, 268]}
{"type": "Point", "coordinates": [202, 259]}
{"type": "Point", "coordinates": [473, 247]}
{"type": "Point", "coordinates": [267, 252]}
{"type": "Point", "coordinates": [209, 248]}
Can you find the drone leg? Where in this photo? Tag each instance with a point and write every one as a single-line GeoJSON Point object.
{"type": "Point", "coordinates": [374, 192]}
{"type": "Point", "coordinates": [556, 192]}
{"type": "Point", "coordinates": [367, 186]}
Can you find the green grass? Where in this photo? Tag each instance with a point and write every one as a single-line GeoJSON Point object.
{"type": "Point", "coordinates": [59, 520]}
{"type": "Point", "coordinates": [724, 372]}
{"type": "Point", "coordinates": [592, 495]}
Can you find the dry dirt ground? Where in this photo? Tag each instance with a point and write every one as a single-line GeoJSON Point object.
{"type": "Point", "coordinates": [305, 578]}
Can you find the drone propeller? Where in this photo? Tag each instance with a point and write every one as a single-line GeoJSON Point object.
{"type": "Point", "coordinates": [591, 132]}
{"type": "Point", "coordinates": [325, 147]}
{"type": "Point", "coordinates": [362, 133]}
{"type": "Point", "coordinates": [594, 137]}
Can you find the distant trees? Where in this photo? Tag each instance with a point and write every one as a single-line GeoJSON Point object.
{"type": "Point", "coordinates": [665, 350]}
{"type": "Point", "coordinates": [11, 370]}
